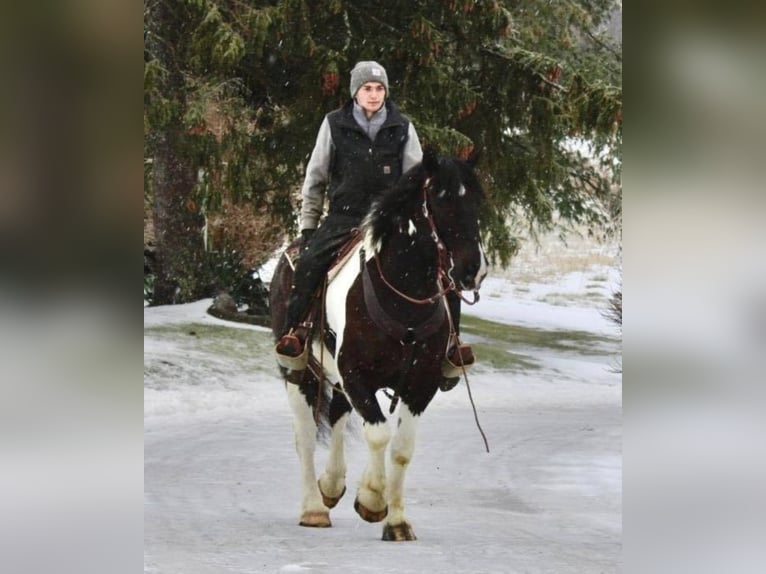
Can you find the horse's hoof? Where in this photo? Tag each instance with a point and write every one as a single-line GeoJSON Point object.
{"type": "Point", "coordinates": [316, 519]}
{"type": "Point", "coordinates": [398, 532]}
{"type": "Point", "coordinates": [330, 501]}
{"type": "Point", "coordinates": [369, 515]}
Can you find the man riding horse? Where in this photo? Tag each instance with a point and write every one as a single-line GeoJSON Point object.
{"type": "Point", "coordinates": [361, 150]}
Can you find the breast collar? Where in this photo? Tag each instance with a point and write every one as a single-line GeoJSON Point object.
{"type": "Point", "coordinates": [393, 327]}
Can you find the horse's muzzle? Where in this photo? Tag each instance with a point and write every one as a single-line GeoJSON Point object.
{"type": "Point", "coordinates": [475, 274]}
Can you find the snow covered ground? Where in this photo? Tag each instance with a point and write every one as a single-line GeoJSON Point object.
{"type": "Point", "coordinates": [221, 475]}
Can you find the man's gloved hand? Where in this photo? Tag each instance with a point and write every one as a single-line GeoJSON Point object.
{"type": "Point", "coordinates": [306, 234]}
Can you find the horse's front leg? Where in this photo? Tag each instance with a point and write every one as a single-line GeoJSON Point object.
{"type": "Point", "coordinates": [332, 483]}
{"type": "Point", "coordinates": [313, 510]}
{"type": "Point", "coordinates": [397, 528]}
{"type": "Point", "coordinates": [370, 501]}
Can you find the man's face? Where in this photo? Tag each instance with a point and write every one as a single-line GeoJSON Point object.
{"type": "Point", "coordinates": [371, 97]}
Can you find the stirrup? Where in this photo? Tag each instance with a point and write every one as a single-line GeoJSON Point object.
{"type": "Point", "coordinates": [285, 351]}
{"type": "Point", "coordinates": [451, 365]}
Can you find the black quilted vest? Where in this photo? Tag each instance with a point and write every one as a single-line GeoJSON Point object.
{"type": "Point", "coordinates": [362, 169]}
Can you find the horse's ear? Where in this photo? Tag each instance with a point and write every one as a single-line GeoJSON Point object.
{"type": "Point", "coordinates": [473, 157]}
{"type": "Point", "coordinates": [430, 160]}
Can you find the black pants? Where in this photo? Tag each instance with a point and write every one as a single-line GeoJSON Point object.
{"type": "Point", "coordinates": [314, 262]}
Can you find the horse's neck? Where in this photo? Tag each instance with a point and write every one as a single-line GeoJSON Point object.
{"type": "Point", "coordinates": [410, 264]}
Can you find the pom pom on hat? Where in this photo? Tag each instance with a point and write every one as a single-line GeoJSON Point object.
{"type": "Point", "coordinates": [365, 72]}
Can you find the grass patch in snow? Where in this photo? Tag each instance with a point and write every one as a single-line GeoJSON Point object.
{"type": "Point", "coordinates": [497, 357]}
{"type": "Point", "coordinates": [498, 346]}
{"type": "Point", "coordinates": [230, 343]}
{"type": "Point", "coordinates": [587, 298]}
{"type": "Point", "coordinates": [518, 337]}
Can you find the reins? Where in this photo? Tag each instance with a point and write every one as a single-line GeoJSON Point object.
{"type": "Point", "coordinates": [427, 300]}
{"type": "Point", "coordinates": [453, 335]}
{"type": "Point", "coordinates": [444, 269]}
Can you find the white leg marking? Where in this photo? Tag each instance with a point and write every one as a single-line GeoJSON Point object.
{"type": "Point", "coordinates": [483, 270]}
{"type": "Point", "coordinates": [333, 480]}
{"type": "Point", "coordinates": [305, 444]}
{"type": "Point", "coordinates": [402, 449]}
{"type": "Point", "coordinates": [372, 490]}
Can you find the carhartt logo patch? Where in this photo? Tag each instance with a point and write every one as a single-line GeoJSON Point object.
{"type": "Point", "coordinates": [375, 71]}
{"type": "Point", "coordinates": [387, 169]}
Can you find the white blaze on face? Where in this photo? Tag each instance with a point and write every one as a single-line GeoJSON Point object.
{"type": "Point", "coordinates": [483, 269]}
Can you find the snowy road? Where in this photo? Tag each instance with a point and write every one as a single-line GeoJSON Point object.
{"type": "Point", "coordinates": [221, 475]}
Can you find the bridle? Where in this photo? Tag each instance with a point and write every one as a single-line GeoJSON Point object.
{"type": "Point", "coordinates": [444, 280]}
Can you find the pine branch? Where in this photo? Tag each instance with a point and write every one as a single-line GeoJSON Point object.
{"type": "Point", "coordinates": [598, 41]}
{"type": "Point", "coordinates": [368, 16]}
{"type": "Point", "coordinates": [526, 63]}
{"type": "Point", "coordinates": [552, 84]}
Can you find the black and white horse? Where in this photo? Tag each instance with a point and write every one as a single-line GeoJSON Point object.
{"type": "Point", "coordinates": [385, 325]}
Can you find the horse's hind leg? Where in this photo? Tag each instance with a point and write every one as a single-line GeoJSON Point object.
{"type": "Point", "coordinates": [332, 483]}
{"type": "Point", "coordinates": [313, 510]}
{"type": "Point", "coordinates": [397, 528]}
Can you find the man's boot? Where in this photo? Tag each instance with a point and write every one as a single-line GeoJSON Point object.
{"type": "Point", "coordinates": [292, 350]}
{"type": "Point", "coordinates": [458, 357]}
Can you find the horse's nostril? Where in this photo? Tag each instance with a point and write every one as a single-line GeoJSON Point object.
{"type": "Point", "coordinates": [468, 279]}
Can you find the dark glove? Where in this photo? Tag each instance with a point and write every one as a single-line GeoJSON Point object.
{"type": "Point", "coordinates": [306, 234]}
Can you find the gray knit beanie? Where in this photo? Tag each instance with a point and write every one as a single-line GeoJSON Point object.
{"type": "Point", "coordinates": [365, 72]}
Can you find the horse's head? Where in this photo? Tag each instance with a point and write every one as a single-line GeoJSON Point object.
{"type": "Point", "coordinates": [436, 203]}
{"type": "Point", "coordinates": [453, 199]}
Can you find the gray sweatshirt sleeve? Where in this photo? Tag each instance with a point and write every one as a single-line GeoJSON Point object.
{"type": "Point", "coordinates": [413, 153]}
{"type": "Point", "coordinates": [317, 178]}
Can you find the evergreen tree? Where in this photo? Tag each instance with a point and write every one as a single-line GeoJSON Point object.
{"type": "Point", "coordinates": [235, 92]}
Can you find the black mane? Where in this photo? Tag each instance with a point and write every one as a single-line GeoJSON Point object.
{"type": "Point", "coordinates": [400, 202]}
{"type": "Point", "coordinates": [395, 206]}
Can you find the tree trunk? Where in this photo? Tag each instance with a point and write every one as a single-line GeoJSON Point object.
{"type": "Point", "coordinates": [178, 224]}
{"type": "Point", "coordinates": [180, 271]}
